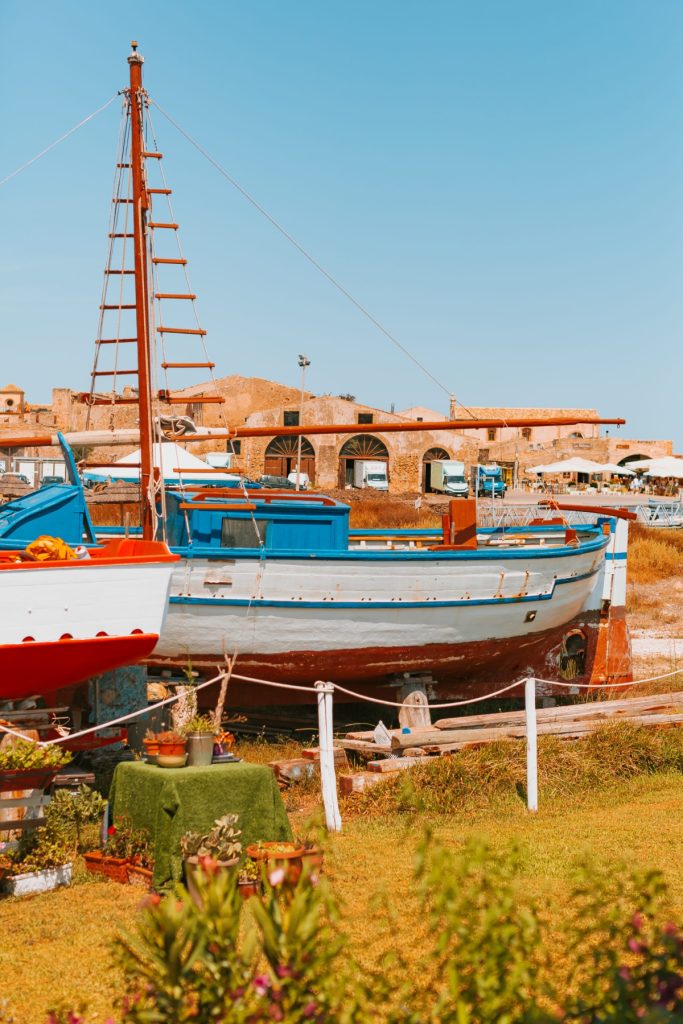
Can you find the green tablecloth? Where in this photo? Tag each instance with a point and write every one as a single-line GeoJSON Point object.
{"type": "Point", "coordinates": [171, 801]}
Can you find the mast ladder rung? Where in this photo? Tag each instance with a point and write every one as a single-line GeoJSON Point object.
{"type": "Point", "coordinates": [181, 330]}
{"type": "Point", "coordinates": [114, 373]}
{"type": "Point", "coordinates": [165, 259]}
{"type": "Point", "coordinates": [127, 306]}
{"type": "Point", "coordinates": [117, 200]}
{"type": "Point", "coordinates": [153, 156]}
{"type": "Point", "coordinates": [114, 400]}
{"type": "Point", "coordinates": [188, 366]}
{"type": "Point", "coordinates": [173, 295]}
{"type": "Point", "coordinates": [160, 191]}
{"type": "Point", "coordinates": [110, 271]}
{"type": "Point", "coordinates": [117, 341]}
{"type": "Point", "coordinates": [159, 224]}
{"type": "Point", "coordinates": [121, 234]}
{"type": "Point", "coordinates": [165, 396]}
{"type": "Point", "coordinates": [124, 165]}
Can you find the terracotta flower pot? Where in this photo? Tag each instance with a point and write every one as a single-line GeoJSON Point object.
{"type": "Point", "coordinates": [172, 749]}
{"type": "Point", "coordinates": [151, 747]}
{"type": "Point", "coordinates": [249, 889]}
{"type": "Point", "coordinates": [193, 868]}
{"type": "Point", "coordinates": [288, 859]}
{"type": "Point", "coordinates": [115, 868]}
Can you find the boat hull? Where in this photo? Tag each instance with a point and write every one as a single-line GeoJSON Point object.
{"type": "Point", "coordinates": [65, 621]}
{"type": "Point", "coordinates": [469, 622]}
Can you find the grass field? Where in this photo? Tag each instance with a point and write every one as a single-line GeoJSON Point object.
{"type": "Point", "coordinates": [59, 946]}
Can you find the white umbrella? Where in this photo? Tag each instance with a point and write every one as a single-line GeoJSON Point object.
{"type": "Point", "coordinates": [665, 467]}
{"type": "Point", "coordinates": [615, 470]}
{"type": "Point", "coordinates": [572, 465]}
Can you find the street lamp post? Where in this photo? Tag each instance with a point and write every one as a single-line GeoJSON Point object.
{"type": "Point", "coordinates": [304, 362]}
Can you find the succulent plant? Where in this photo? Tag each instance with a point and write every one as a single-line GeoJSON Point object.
{"type": "Point", "coordinates": [221, 843]}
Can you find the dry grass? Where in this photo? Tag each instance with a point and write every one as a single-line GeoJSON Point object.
{"type": "Point", "coordinates": [392, 513]}
{"type": "Point", "coordinates": [60, 942]}
{"type": "Point", "coordinates": [654, 555]}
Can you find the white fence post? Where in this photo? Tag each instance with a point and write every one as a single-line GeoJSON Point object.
{"type": "Point", "coordinates": [531, 744]}
{"type": "Point", "coordinates": [328, 777]}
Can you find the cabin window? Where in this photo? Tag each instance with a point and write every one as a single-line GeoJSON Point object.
{"type": "Point", "coordinates": [365, 417]}
{"type": "Point", "coordinates": [241, 533]}
{"type": "Point", "coordinates": [291, 418]}
{"type": "Point", "coordinates": [526, 433]}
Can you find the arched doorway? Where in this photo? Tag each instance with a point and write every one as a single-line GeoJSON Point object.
{"type": "Point", "coordinates": [366, 447]}
{"type": "Point", "coordinates": [632, 458]}
{"type": "Point", "coordinates": [281, 456]}
{"type": "Point", "coordinates": [431, 455]}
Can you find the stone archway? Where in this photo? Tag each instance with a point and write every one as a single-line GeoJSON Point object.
{"type": "Point", "coordinates": [361, 446]}
{"type": "Point", "coordinates": [435, 454]}
{"type": "Point", "coordinates": [281, 456]}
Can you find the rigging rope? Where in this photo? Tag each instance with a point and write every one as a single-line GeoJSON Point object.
{"type": "Point", "coordinates": [61, 138]}
{"type": "Point", "coordinates": [306, 254]}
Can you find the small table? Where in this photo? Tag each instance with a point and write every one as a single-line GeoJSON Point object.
{"type": "Point", "coordinates": [169, 802]}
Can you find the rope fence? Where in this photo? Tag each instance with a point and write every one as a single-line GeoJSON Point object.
{"type": "Point", "coordinates": [323, 693]}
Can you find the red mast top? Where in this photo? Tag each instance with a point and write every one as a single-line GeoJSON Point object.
{"type": "Point", "coordinates": [137, 99]}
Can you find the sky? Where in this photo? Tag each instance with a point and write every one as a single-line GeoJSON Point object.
{"type": "Point", "coordinates": [498, 183]}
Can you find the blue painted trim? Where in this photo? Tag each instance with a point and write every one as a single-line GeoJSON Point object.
{"type": "Point", "coordinates": [369, 555]}
{"type": "Point", "coordinates": [618, 556]}
{"type": "Point", "coordinates": [240, 602]}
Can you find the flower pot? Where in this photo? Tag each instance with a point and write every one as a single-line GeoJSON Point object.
{"type": "Point", "coordinates": [31, 778]}
{"type": "Point", "coordinates": [313, 856]}
{"type": "Point", "coordinates": [115, 868]}
{"type": "Point", "coordinates": [138, 874]}
{"type": "Point", "coordinates": [193, 868]}
{"type": "Point", "coordinates": [277, 855]}
{"type": "Point", "coordinates": [172, 749]}
{"type": "Point", "coordinates": [151, 750]}
{"type": "Point", "coordinates": [37, 881]}
{"type": "Point", "coordinates": [249, 889]}
{"type": "Point", "coordinates": [200, 749]}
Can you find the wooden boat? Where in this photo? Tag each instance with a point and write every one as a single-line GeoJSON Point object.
{"type": "Point", "coordinates": [280, 580]}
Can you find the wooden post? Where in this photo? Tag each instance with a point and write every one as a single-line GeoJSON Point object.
{"type": "Point", "coordinates": [328, 779]}
{"type": "Point", "coordinates": [531, 744]}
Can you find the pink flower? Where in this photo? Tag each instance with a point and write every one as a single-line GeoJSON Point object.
{"type": "Point", "coordinates": [635, 946]}
{"type": "Point", "coordinates": [637, 921]}
{"type": "Point", "coordinates": [277, 877]}
{"type": "Point", "coordinates": [309, 1010]}
{"type": "Point", "coordinates": [283, 971]}
{"type": "Point", "coordinates": [261, 983]}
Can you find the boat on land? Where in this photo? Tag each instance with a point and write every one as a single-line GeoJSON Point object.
{"type": "Point", "coordinates": [281, 581]}
{"type": "Point", "coordinates": [68, 618]}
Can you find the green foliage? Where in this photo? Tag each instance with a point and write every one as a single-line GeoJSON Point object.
{"type": "Point", "coordinates": [23, 755]}
{"type": "Point", "coordinates": [222, 842]}
{"type": "Point", "coordinates": [485, 960]}
{"type": "Point", "coordinates": [74, 812]}
{"type": "Point", "coordinates": [129, 843]}
{"type": "Point", "coordinates": [201, 724]}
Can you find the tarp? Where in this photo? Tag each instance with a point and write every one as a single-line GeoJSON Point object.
{"type": "Point", "coordinates": [573, 465]}
{"type": "Point", "coordinates": [167, 457]}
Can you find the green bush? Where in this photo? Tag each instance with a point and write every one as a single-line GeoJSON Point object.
{"type": "Point", "coordinates": [486, 953]}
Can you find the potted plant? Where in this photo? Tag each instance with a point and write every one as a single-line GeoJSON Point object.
{"type": "Point", "coordinates": [140, 858]}
{"type": "Point", "coordinates": [25, 764]}
{"type": "Point", "coordinates": [284, 855]}
{"type": "Point", "coordinates": [150, 742]}
{"type": "Point", "coordinates": [219, 848]}
{"type": "Point", "coordinates": [249, 878]}
{"type": "Point", "coordinates": [200, 732]}
{"type": "Point", "coordinates": [171, 744]}
{"type": "Point", "coordinates": [42, 862]}
{"type": "Point", "coordinates": [112, 861]}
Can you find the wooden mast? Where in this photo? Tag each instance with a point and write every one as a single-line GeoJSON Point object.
{"type": "Point", "coordinates": [140, 209]}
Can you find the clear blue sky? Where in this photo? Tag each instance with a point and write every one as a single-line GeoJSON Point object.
{"type": "Point", "coordinates": [499, 182]}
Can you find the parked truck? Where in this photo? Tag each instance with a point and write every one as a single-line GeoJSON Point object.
{"type": "Point", "coordinates": [449, 478]}
{"type": "Point", "coordinates": [488, 481]}
{"type": "Point", "coordinates": [370, 474]}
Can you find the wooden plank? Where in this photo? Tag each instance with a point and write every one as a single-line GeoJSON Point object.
{"type": "Point", "coordinates": [566, 711]}
{"type": "Point", "coordinates": [395, 764]}
{"type": "Point", "coordinates": [365, 747]}
{"type": "Point", "coordinates": [340, 758]}
{"type": "Point", "coordinates": [358, 782]}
